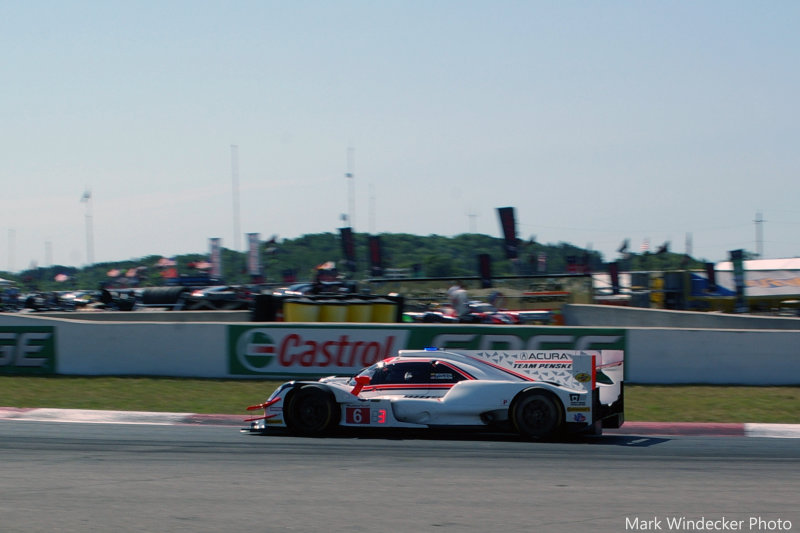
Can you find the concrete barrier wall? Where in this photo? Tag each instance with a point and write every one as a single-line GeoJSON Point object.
{"type": "Point", "coordinates": [747, 357]}
{"type": "Point", "coordinates": [88, 348]}
{"type": "Point", "coordinates": [621, 317]}
{"type": "Point", "coordinates": [165, 349]}
{"type": "Point", "coordinates": [191, 349]}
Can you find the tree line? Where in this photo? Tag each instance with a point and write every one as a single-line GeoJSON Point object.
{"type": "Point", "coordinates": [298, 259]}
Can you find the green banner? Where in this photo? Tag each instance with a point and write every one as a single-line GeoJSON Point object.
{"type": "Point", "coordinates": [27, 350]}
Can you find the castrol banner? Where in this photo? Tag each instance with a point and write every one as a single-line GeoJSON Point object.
{"type": "Point", "coordinates": [312, 351]}
{"type": "Point", "coordinates": [280, 352]}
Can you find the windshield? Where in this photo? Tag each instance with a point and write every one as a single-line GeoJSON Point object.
{"type": "Point", "coordinates": [369, 372]}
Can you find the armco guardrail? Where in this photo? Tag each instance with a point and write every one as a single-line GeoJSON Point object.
{"type": "Point", "coordinates": [162, 315]}
{"type": "Point", "coordinates": [32, 344]}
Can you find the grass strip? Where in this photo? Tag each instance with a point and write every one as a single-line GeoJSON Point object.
{"type": "Point", "coordinates": [650, 403]}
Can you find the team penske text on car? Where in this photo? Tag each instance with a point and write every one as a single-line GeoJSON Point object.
{"type": "Point", "coordinates": [538, 394]}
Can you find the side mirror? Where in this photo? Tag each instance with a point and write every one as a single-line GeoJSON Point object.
{"type": "Point", "coordinates": [361, 382]}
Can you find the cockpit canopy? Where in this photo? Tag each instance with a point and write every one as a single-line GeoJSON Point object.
{"type": "Point", "coordinates": [405, 372]}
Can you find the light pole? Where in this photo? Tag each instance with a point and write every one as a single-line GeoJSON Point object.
{"type": "Point", "coordinates": [351, 195]}
{"type": "Point", "coordinates": [759, 235]}
{"type": "Point", "coordinates": [235, 187]}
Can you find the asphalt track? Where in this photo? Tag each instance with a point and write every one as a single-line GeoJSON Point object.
{"type": "Point", "coordinates": [208, 477]}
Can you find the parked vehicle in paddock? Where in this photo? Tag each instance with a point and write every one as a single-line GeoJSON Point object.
{"type": "Point", "coordinates": [479, 313]}
{"type": "Point", "coordinates": [538, 394]}
{"type": "Point", "coordinates": [75, 300]}
{"type": "Point", "coordinates": [219, 297]}
{"type": "Point", "coordinates": [322, 287]}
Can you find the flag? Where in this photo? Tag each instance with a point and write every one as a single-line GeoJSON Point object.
{"type": "Point", "coordinates": [375, 255]}
{"type": "Point", "coordinates": [87, 195]}
{"type": "Point", "coordinates": [253, 257]}
{"type": "Point", "coordinates": [485, 270]}
{"type": "Point", "coordinates": [613, 272]}
{"type": "Point", "coordinates": [348, 247]}
{"type": "Point", "coordinates": [215, 256]}
{"type": "Point", "coordinates": [509, 226]}
{"type": "Point", "coordinates": [645, 245]}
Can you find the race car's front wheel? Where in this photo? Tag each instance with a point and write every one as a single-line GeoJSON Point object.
{"type": "Point", "coordinates": [536, 415]}
{"type": "Point", "coordinates": [310, 410]}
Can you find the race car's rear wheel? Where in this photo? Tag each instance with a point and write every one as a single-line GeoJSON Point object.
{"type": "Point", "coordinates": [310, 410]}
{"type": "Point", "coordinates": [536, 415]}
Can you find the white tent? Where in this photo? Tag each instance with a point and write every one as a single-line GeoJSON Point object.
{"type": "Point", "coordinates": [750, 265]}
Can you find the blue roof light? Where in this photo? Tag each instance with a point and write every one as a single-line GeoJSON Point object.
{"type": "Point", "coordinates": [431, 349]}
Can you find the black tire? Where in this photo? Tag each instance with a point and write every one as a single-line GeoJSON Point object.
{"type": "Point", "coordinates": [536, 415]}
{"type": "Point", "coordinates": [311, 411]}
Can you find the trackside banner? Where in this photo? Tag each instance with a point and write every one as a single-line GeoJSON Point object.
{"type": "Point", "coordinates": [27, 350]}
{"type": "Point", "coordinates": [306, 351]}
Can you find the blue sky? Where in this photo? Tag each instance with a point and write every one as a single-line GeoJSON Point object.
{"type": "Point", "coordinates": [598, 121]}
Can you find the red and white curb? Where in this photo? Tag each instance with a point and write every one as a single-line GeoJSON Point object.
{"type": "Point", "coordinates": [92, 416]}
{"type": "Point", "coordinates": [785, 431]}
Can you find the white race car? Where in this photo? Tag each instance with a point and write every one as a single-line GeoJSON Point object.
{"type": "Point", "coordinates": [538, 394]}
